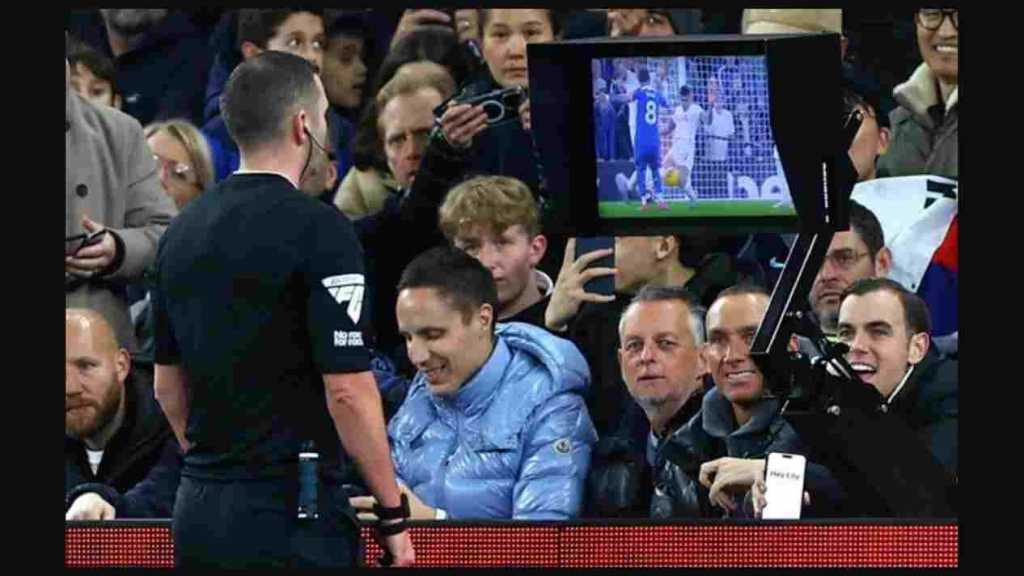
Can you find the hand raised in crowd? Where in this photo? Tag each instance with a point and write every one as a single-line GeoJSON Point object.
{"type": "Point", "coordinates": [524, 114]}
{"type": "Point", "coordinates": [625, 21]}
{"type": "Point", "coordinates": [568, 293]}
{"type": "Point", "coordinates": [412, 19]}
{"type": "Point", "coordinates": [757, 496]}
{"type": "Point", "coordinates": [91, 260]}
{"type": "Point", "coordinates": [728, 476]}
{"type": "Point", "coordinates": [461, 122]}
{"type": "Point", "coordinates": [90, 506]}
{"type": "Point", "coordinates": [417, 509]}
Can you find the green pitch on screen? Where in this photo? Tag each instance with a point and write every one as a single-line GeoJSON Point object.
{"type": "Point", "coordinates": [703, 208]}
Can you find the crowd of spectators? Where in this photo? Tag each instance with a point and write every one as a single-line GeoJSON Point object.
{"type": "Point", "coordinates": [511, 392]}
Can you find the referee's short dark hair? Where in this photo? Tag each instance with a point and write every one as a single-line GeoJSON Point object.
{"type": "Point", "coordinates": [460, 279]}
{"type": "Point", "coordinates": [263, 93]}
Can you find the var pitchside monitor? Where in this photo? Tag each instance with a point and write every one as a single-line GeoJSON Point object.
{"type": "Point", "coordinates": [696, 140]}
{"type": "Point", "coordinates": [648, 136]}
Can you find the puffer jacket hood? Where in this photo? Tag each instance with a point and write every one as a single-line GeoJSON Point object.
{"type": "Point", "coordinates": [565, 364]}
{"type": "Point", "coordinates": [513, 442]}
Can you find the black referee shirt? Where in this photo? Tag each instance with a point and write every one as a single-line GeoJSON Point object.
{"type": "Point", "coordinates": [259, 292]}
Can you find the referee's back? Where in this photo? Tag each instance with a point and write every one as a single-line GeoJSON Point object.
{"type": "Point", "coordinates": [237, 267]}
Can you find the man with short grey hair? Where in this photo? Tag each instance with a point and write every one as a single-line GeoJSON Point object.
{"type": "Point", "coordinates": [661, 334]}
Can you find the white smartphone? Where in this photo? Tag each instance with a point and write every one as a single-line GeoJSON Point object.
{"type": "Point", "coordinates": [784, 480]}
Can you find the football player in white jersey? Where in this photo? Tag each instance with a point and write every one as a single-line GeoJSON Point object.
{"type": "Point", "coordinates": [686, 119]}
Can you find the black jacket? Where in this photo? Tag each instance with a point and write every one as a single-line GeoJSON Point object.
{"type": "Point", "coordinates": [929, 404]}
{"type": "Point", "coordinates": [711, 434]}
{"type": "Point", "coordinates": [164, 77]}
{"type": "Point", "coordinates": [405, 227]}
{"type": "Point", "coordinates": [619, 479]}
{"type": "Point", "coordinates": [507, 150]}
{"type": "Point", "coordinates": [897, 459]}
{"type": "Point", "coordinates": [141, 464]}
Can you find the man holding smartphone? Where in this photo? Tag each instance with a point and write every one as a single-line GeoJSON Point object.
{"type": "Point", "coordinates": [116, 209]}
{"type": "Point", "coordinates": [737, 427]}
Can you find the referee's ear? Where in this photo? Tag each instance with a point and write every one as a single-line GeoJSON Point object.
{"type": "Point", "coordinates": [297, 132]}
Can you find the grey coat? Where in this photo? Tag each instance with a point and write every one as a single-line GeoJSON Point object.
{"type": "Point", "coordinates": [924, 132]}
{"type": "Point", "coordinates": [112, 178]}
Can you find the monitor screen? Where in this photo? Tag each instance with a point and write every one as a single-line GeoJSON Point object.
{"type": "Point", "coordinates": [686, 137]}
{"type": "Point", "coordinates": [722, 133]}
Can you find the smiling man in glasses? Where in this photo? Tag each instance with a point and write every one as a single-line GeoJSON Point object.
{"type": "Point", "coordinates": [925, 126]}
{"type": "Point", "coordinates": [857, 253]}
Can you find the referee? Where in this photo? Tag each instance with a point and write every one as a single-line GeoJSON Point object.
{"type": "Point", "coordinates": [259, 316]}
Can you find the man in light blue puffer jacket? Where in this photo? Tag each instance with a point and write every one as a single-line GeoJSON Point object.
{"type": "Point", "coordinates": [494, 425]}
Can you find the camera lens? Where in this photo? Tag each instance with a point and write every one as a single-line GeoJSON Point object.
{"type": "Point", "coordinates": [494, 110]}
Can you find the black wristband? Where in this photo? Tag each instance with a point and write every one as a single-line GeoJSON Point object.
{"type": "Point", "coordinates": [391, 529]}
{"type": "Point", "coordinates": [400, 512]}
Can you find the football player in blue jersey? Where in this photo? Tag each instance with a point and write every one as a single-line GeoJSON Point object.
{"type": "Point", "coordinates": [647, 143]}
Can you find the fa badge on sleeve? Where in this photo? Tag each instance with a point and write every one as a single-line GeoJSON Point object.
{"type": "Point", "coordinates": [350, 288]}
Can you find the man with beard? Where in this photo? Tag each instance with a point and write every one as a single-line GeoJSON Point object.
{"type": "Point", "coordinates": [160, 58]}
{"type": "Point", "coordinates": [120, 457]}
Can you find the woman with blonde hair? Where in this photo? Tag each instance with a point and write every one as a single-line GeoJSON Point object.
{"type": "Point", "coordinates": [186, 171]}
{"type": "Point", "coordinates": [183, 158]}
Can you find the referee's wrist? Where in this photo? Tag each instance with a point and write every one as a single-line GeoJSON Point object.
{"type": "Point", "coordinates": [393, 514]}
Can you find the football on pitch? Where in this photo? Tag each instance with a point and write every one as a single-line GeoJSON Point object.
{"type": "Point", "coordinates": [671, 177]}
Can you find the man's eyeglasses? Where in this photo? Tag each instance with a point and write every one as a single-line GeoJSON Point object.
{"type": "Point", "coordinates": [845, 259]}
{"type": "Point", "coordinates": [176, 170]}
{"type": "Point", "coordinates": [931, 18]}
